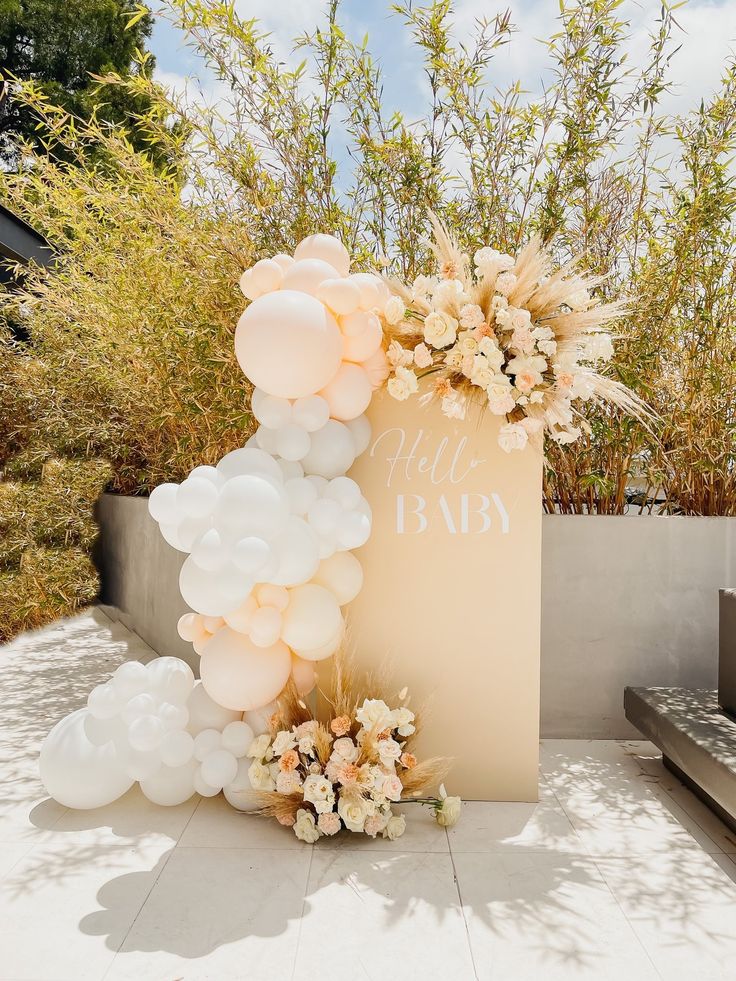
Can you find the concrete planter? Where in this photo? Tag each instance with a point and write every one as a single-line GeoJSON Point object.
{"type": "Point", "coordinates": [625, 601]}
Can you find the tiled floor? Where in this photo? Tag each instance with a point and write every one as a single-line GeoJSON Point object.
{"type": "Point", "coordinates": [617, 873]}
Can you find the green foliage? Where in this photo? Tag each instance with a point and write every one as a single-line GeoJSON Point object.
{"type": "Point", "coordinates": [60, 45]}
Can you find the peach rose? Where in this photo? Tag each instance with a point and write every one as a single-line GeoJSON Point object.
{"type": "Point", "coordinates": [289, 760]}
{"type": "Point", "coordinates": [341, 725]}
{"type": "Point", "coordinates": [286, 819]}
{"type": "Point", "coordinates": [328, 823]}
{"type": "Point", "coordinates": [408, 760]}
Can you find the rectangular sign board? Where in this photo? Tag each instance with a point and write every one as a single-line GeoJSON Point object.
{"type": "Point", "coordinates": [452, 588]}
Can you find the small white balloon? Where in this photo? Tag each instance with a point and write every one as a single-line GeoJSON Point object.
{"type": "Point", "coordinates": [307, 275]}
{"type": "Point", "coordinates": [208, 473]}
{"type": "Point", "coordinates": [311, 413]}
{"type": "Point", "coordinates": [239, 792]}
{"type": "Point", "coordinates": [196, 497]}
{"type": "Point", "coordinates": [138, 706]}
{"type": "Point", "coordinates": [171, 785]}
{"type": "Point", "coordinates": [327, 248]}
{"type": "Point", "coordinates": [292, 442]}
{"type": "Point", "coordinates": [290, 469]}
{"type": "Point", "coordinates": [297, 550]}
{"type": "Point", "coordinates": [249, 460]}
{"type": "Point", "coordinates": [251, 554]}
{"type": "Point", "coordinates": [259, 719]}
{"type": "Point", "coordinates": [170, 678]}
{"type": "Point", "coordinates": [130, 679]}
{"type": "Point", "coordinates": [162, 504]}
{"type": "Point", "coordinates": [205, 713]}
{"type": "Point", "coordinates": [219, 768]}
{"type": "Point", "coordinates": [324, 516]}
{"type": "Point", "coordinates": [267, 440]}
{"type": "Point", "coordinates": [177, 748]}
{"type": "Point", "coordinates": [311, 619]}
{"type": "Point", "coordinates": [266, 275]}
{"type": "Point", "coordinates": [206, 742]}
{"type": "Point", "coordinates": [360, 429]}
{"type": "Point", "coordinates": [213, 593]}
{"type": "Point", "coordinates": [345, 491]}
{"type": "Point", "coordinates": [341, 295]}
{"type": "Point", "coordinates": [353, 529]}
{"type": "Point", "coordinates": [332, 451]}
{"type": "Point", "coordinates": [237, 737]}
{"type": "Point", "coordinates": [250, 505]}
{"type": "Point", "coordinates": [269, 410]}
{"type": "Point", "coordinates": [203, 788]}
{"type": "Point", "coordinates": [145, 733]}
{"type": "Point", "coordinates": [173, 716]}
{"type": "Point", "coordinates": [210, 552]}
{"type": "Point", "coordinates": [301, 493]}
{"type": "Point", "coordinates": [342, 574]}
{"type": "Point", "coordinates": [104, 702]}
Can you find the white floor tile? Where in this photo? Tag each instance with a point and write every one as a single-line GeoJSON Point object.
{"type": "Point", "coordinates": [219, 914]}
{"type": "Point", "coordinates": [65, 909]}
{"type": "Point", "coordinates": [215, 824]}
{"type": "Point", "coordinates": [500, 827]}
{"type": "Point", "coordinates": [681, 905]}
{"type": "Point", "coordinates": [546, 916]}
{"type": "Point", "coordinates": [378, 917]}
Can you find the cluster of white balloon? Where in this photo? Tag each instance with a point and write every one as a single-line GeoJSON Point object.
{"type": "Point", "coordinates": [269, 534]}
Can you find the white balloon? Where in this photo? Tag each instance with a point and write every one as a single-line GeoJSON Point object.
{"type": "Point", "coordinates": [183, 535]}
{"type": "Point", "coordinates": [171, 785]}
{"type": "Point", "coordinates": [340, 295]}
{"type": "Point", "coordinates": [140, 765]}
{"type": "Point", "coordinates": [239, 792]}
{"type": "Point", "coordinates": [290, 469]}
{"type": "Point", "coordinates": [360, 345]}
{"type": "Point", "coordinates": [373, 290]}
{"type": "Point", "coordinates": [213, 593]}
{"type": "Point", "coordinates": [342, 574]}
{"type": "Point", "coordinates": [269, 410]}
{"type": "Point", "coordinates": [177, 748]}
{"type": "Point", "coordinates": [130, 679]}
{"type": "Point", "coordinates": [249, 460]}
{"type": "Point", "coordinates": [311, 413]}
{"type": "Point", "coordinates": [210, 552]}
{"type": "Point", "coordinates": [145, 733]}
{"type": "Point", "coordinates": [332, 451]}
{"type": "Point", "coordinates": [101, 731]}
{"type": "Point", "coordinates": [266, 275]}
{"type": "Point", "coordinates": [202, 787]}
{"type": "Point", "coordinates": [205, 713]}
{"type": "Point", "coordinates": [190, 628]}
{"type": "Point", "coordinates": [258, 719]}
{"type": "Point", "coordinates": [219, 768]}
{"type": "Point", "coordinates": [361, 432]}
{"type": "Point", "coordinates": [173, 716]}
{"type": "Point", "coordinates": [250, 505]}
{"type": "Point", "coordinates": [104, 702]}
{"type": "Point", "coordinates": [311, 619]}
{"type": "Point", "coordinates": [345, 491]}
{"type": "Point", "coordinates": [208, 473]}
{"type": "Point", "coordinates": [301, 493]}
{"type": "Point", "coordinates": [196, 497]}
{"type": "Point", "coordinates": [267, 594]}
{"type": "Point", "coordinates": [324, 515]}
{"type": "Point", "coordinates": [75, 772]}
{"type": "Point", "coordinates": [251, 554]}
{"type": "Point", "coordinates": [237, 737]}
{"type": "Point", "coordinates": [162, 504]}
{"type": "Point", "coordinates": [353, 529]}
{"type": "Point", "coordinates": [138, 706]}
{"type": "Point", "coordinates": [292, 442]}
{"type": "Point", "coordinates": [298, 553]}
{"type": "Point", "coordinates": [206, 742]}
{"type": "Point", "coordinates": [267, 440]}
{"type": "Point", "coordinates": [170, 678]}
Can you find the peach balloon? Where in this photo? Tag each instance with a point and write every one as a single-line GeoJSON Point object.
{"type": "Point", "coordinates": [267, 275]}
{"type": "Point", "coordinates": [349, 393]}
{"type": "Point", "coordinates": [325, 650]}
{"type": "Point", "coordinates": [288, 344]}
{"type": "Point", "coordinates": [311, 619]}
{"type": "Point", "coordinates": [327, 248]}
{"type": "Point", "coordinates": [360, 347]}
{"type": "Point", "coordinates": [342, 574]}
{"type": "Point", "coordinates": [308, 275]}
{"type": "Point", "coordinates": [376, 367]}
{"type": "Point", "coordinates": [340, 295]}
{"type": "Point", "coordinates": [241, 676]}
{"type": "Point", "coordinates": [283, 260]}
{"type": "Point", "coordinates": [304, 675]}
{"type": "Point", "coordinates": [373, 290]}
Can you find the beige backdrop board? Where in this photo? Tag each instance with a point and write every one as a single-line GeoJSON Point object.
{"type": "Point", "coordinates": [452, 588]}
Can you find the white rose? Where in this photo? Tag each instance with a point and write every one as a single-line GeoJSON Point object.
{"type": "Point", "coordinates": [395, 827]}
{"type": "Point", "coordinates": [423, 286]}
{"type": "Point", "coordinates": [288, 782]}
{"type": "Point", "coordinates": [260, 776]}
{"type": "Point", "coordinates": [397, 356]}
{"type": "Point", "coordinates": [512, 436]}
{"type": "Point", "coordinates": [483, 373]}
{"type": "Point", "coordinates": [260, 748]}
{"type": "Point", "coordinates": [394, 310]}
{"type": "Point", "coordinates": [318, 791]}
{"type": "Point", "coordinates": [305, 827]}
{"type": "Point", "coordinates": [448, 813]}
{"type": "Point", "coordinates": [353, 810]}
{"type": "Point", "coordinates": [389, 751]}
{"type": "Point", "coordinates": [345, 748]}
{"type": "Point", "coordinates": [422, 356]}
{"type": "Point", "coordinates": [284, 740]}
{"type": "Point", "coordinates": [454, 357]}
{"type": "Point", "coordinates": [471, 316]}
{"type": "Point", "coordinates": [401, 719]}
{"type": "Point", "coordinates": [306, 744]}
{"type": "Point", "coordinates": [468, 344]}
{"type": "Point", "coordinates": [500, 399]}
{"type": "Point", "coordinates": [499, 303]}
{"type": "Point", "coordinates": [403, 384]}
{"type": "Point", "coordinates": [449, 292]}
{"type": "Point", "coordinates": [505, 283]}
{"type": "Point", "coordinates": [374, 714]}
{"type": "Point", "coordinates": [440, 329]}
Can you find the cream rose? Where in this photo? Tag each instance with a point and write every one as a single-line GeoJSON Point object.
{"type": "Point", "coordinates": [318, 791]}
{"type": "Point", "coordinates": [448, 813]}
{"type": "Point", "coordinates": [440, 329]}
{"type": "Point", "coordinates": [403, 384]}
{"type": "Point", "coordinates": [353, 810]}
{"type": "Point", "coordinates": [346, 749]}
{"type": "Point", "coordinates": [422, 356]}
{"type": "Point", "coordinates": [305, 827]}
{"type": "Point", "coordinates": [283, 741]}
{"type": "Point", "coordinates": [402, 719]}
{"type": "Point", "coordinates": [260, 748]}
{"type": "Point", "coordinates": [512, 437]}
{"type": "Point", "coordinates": [374, 714]}
{"type": "Point", "coordinates": [394, 310]}
{"type": "Point", "coordinates": [392, 787]}
{"type": "Point", "coordinates": [260, 776]}
{"type": "Point", "coordinates": [395, 827]}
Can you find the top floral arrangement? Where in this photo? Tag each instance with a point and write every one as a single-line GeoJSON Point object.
{"type": "Point", "coordinates": [524, 340]}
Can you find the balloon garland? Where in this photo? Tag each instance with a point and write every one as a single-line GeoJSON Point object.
{"type": "Point", "coordinates": [268, 533]}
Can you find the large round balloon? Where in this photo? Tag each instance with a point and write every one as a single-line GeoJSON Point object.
{"type": "Point", "coordinates": [311, 619]}
{"type": "Point", "coordinates": [249, 460]}
{"type": "Point", "coordinates": [342, 574]}
{"type": "Point", "coordinates": [171, 785]}
{"type": "Point", "coordinates": [332, 452]}
{"type": "Point", "coordinates": [213, 593]}
{"type": "Point", "coordinates": [288, 344]}
{"type": "Point", "coordinates": [205, 713]}
{"type": "Point", "coordinates": [239, 793]}
{"type": "Point", "coordinates": [240, 675]}
{"type": "Point", "coordinates": [348, 393]}
{"type": "Point", "coordinates": [77, 773]}
{"type": "Point", "coordinates": [297, 549]}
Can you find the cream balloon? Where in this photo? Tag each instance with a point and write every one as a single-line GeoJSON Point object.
{"type": "Point", "coordinates": [311, 619]}
{"type": "Point", "coordinates": [75, 772]}
{"type": "Point", "coordinates": [266, 275]}
{"type": "Point", "coordinates": [259, 719]}
{"type": "Point", "coordinates": [377, 368]}
{"type": "Point", "coordinates": [348, 393]}
{"type": "Point", "coordinates": [239, 793]}
{"type": "Point", "coordinates": [342, 574]}
{"type": "Point", "coordinates": [213, 593]}
{"type": "Point", "coordinates": [340, 295]}
{"type": "Point", "coordinates": [288, 344]}
{"type": "Point", "coordinates": [363, 345]}
{"type": "Point", "coordinates": [205, 713]}
{"type": "Point", "coordinates": [241, 676]}
{"type": "Point", "coordinates": [327, 248]}
{"type": "Point", "coordinates": [307, 275]}
{"type": "Point", "coordinates": [304, 675]}
{"type": "Point", "coordinates": [325, 650]}
{"type": "Point", "coordinates": [373, 291]}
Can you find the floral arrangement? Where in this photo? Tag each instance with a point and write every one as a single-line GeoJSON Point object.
{"type": "Point", "coordinates": [524, 340]}
{"type": "Point", "coordinates": [348, 771]}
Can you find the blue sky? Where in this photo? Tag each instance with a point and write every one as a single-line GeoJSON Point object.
{"type": "Point", "coordinates": [708, 35]}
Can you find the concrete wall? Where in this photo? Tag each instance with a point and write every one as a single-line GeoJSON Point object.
{"type": "Point", "coordinates": [625, 601]}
